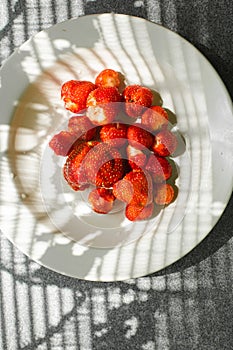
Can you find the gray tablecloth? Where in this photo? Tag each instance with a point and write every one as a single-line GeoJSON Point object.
{"type": "Point", "coordinates": [185, 306]}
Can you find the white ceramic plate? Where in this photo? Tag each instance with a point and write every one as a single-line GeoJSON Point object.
{"type": "Point", "coordinates": [31, 111]}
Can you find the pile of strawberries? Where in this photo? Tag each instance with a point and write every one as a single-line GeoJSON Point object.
{"type": "Point", "coordinates": [118, 144]}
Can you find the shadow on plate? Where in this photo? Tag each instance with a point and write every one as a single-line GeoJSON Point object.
{"type": "Point", "coordinates": [217, 238]}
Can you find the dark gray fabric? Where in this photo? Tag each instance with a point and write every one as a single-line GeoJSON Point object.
{"type": "Point", "coordinates": [185, 306]}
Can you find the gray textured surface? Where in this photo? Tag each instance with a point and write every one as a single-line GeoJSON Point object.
{"type": "Point", "coordinates": [186, 306]}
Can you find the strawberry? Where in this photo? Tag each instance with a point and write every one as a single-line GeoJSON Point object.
{"type": "Point", "coordinates": [155, 118]}
{"type": "Point", "coordinates": [110, 172]}
{"type": "Point", "coordinates": [135, 188]}
{"type": "Point", "coordinates": [136, 97]}
{"type": "Point", "coordinates": [114, 134]}
{"type": "Point", "coordinates": [63, 142]}
{"type": "Point", "coordinates": [82, 127]}
{"type": "Point", "coordinates": [108, 78]}
{"type": "Point", "coordinates": [73, 170]}
{"type": "Point", "coordinates": [74, 94]}
{"type": "Point", "coordinates": [123, 190]}
{"type": "Point", "coordinates": [142, 185]}
{"type": "Point", "coordinates": [106, 193]}
{"type": "Point", "coordinates": [101, 200]}
{"type": "Point", "coordinates": [136, 157]}
{"type": "Point", "coordinates": [164, 194]}
{"type": "Point", "coordinates": [101, 106]}
{"type": "Point", "coordinates": [165, 143]}
{"type": "Point", "coordinates": [135, 213]}
{"type": "Point", "coordinates": [103, 165]}
{"type": "Point", "coordinates": [138, 137]}
{"type": "Point", "coordinates": [159, 168]}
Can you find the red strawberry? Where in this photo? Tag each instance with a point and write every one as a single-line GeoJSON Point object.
{"type": "Point", "coordinates": [159, 168]}
{"type": "Point", "coordinates": [142, 185]}
{"type": "Point", "coordinates": [155, 118]}
{"type": "Point", "coordinates": [82, 127]}
{"type": "Point", "coordinates": [106, 193]}
{"type": "Point", "coordinates": [74, 94]}
{"type": "Point", "coordinates": [136, 157]}
{"type": "Point", "coordinates": [102, 108]}
{"type": "Point", "coordinates": [114, 134]}
{"type": "Point", "coordinates": [110, 172]}
{"type": "Point", "coordinates": [63, 142]}
{"type": "Point", "coordinates": [135, 213]}
{"type": "Point", "coordinates": [103, 165]}
{"type": "Point", "coordinates": [101, 200]}
{"type": "Point", "coordinates": [164, 194]}
{"type": "Point", "coordinates": [108, 78]}
{"type": "Point", "coordinates": [165, 143]}
{"type": "Point", "coordinates": [137, 97]}
{"type": "Point", "coordinates": [139, 137]}
{"type": "Point", "coordinates": [73, 170]}
{"type": "Point", "coordinates": [123, 190]}
{"type": "Point", "coordinates": [135, 188]}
